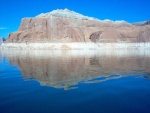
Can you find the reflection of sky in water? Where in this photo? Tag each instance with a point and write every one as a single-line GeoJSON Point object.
{"type": "Point", "coordinates": [64, 69]}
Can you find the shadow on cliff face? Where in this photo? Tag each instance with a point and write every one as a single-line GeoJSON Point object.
{"type": "Point", "coordinates": [63, 69]}
{"type": "Point", "coordinates": [94, 37]}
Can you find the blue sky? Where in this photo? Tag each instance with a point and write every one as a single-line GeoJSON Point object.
{"type": "Point", "coordinates": [12, 11]}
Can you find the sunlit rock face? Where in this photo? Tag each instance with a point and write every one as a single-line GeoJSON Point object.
{"type": "Point", "coordinates": [63, 69]}
{"type": "Point", "coordinates": [65, 26]}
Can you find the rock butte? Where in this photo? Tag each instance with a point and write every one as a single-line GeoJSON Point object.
{"type": "Point", "coordinates": [66, 29]}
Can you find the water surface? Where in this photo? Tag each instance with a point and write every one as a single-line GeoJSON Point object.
{"type": "Point", "coordinates": [73, 81]}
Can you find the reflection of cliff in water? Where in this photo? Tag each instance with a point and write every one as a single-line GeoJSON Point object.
{"type": "Point", "coordinates": [62, 69]}
{"type": "Point", "coordinates": [147, 76]}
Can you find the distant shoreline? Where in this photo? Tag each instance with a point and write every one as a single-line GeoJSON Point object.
{"type": "Point", "coordinates": [71, 46]}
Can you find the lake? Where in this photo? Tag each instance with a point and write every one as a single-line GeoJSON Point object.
{"type": "Point", "coordinates": [74, 81]}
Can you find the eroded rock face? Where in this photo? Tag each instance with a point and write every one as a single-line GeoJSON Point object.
{"type": "Point", "coordinates": [142, 23]}
{"type": "Point", "coordinates": [61, 26]}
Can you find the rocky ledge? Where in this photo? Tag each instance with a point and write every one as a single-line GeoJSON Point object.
{"type": "Point", "coordinates": [65, 26]}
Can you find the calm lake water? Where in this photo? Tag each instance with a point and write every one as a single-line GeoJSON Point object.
{"type": "Point", "coordinates": [75, 81]}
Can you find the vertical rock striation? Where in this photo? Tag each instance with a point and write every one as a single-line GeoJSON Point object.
{"type": "Point", "coordinates": [65, 26]}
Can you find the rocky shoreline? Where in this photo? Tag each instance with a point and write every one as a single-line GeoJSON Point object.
{"type": "Point", "coordinates": [71, 46]}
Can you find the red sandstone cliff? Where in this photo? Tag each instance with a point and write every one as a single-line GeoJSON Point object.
{"type": "Point", "coordinates": [68, 26]}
